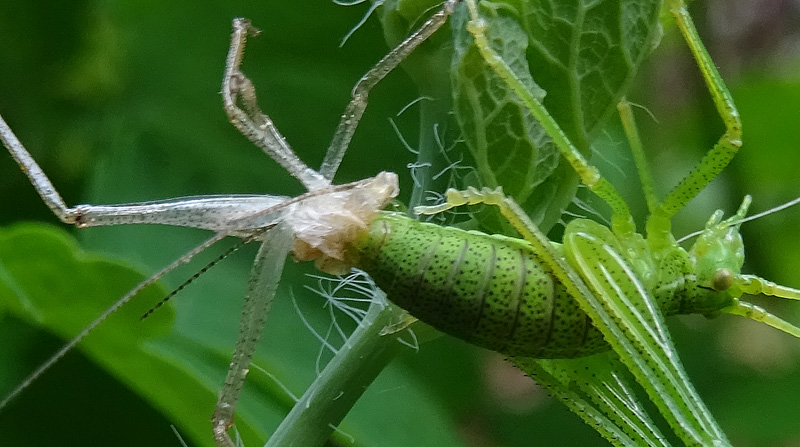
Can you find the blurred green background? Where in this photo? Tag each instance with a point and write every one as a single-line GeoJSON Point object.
{"type": "Point", "coordinates": [118, 101]}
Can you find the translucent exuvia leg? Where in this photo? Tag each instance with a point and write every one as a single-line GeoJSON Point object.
{"type": "Point", "coordinates": [215, 213]}
{"type": "Point", "coordinates": [250, 120]}
{"type": "Point", "coordinates": [38, 178]}
{"type": "Point", "coordinates": [261, 287]}
{"type": "Point", "coordinates": [352, 114]}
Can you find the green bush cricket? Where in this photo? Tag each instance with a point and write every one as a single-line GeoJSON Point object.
{"type": "Point", "coordinates": [478, 196]}
{"type": "Point", "coordinates": [445, 277]}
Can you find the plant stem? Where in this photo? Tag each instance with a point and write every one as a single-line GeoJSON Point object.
{"type": "Point", "coordinates": [333, 394]}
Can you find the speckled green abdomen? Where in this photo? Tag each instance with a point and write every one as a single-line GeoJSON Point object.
{"type": "Point", "coordinates": [489, 290]}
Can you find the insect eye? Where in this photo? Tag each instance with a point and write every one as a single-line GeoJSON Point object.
{"type": "Point", "coordinates": [723, 280]}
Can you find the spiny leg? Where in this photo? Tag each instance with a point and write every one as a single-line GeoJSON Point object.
{"type": "Point", "coordinates": [261, 288]}
{"type": "Point", "coordinates": [250, 120]}
{"type": "Point", "coordinates": [622, 222]}
{"type": "Point", "coordinates": [639, 158]}
{"type": "Point", "coordinates": [726, 147]}
{"type": "Point", "coordinates": [355, 109]}
{"type": "Point", "coordinates": [38, 179]}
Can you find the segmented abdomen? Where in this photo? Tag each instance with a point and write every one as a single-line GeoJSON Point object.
{"type": "Point", "coordinates": [486, 289]}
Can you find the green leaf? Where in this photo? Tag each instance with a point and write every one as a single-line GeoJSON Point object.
{"type": "Point", "coordinates": [579, 56]}
{"type": "Point", "coordinates": [506, 142]}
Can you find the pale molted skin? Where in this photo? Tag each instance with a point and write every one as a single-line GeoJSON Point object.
{"type": "Point", "coordinates": [319, 225]}
{"type": "Point", "coordinates": [325, 225]}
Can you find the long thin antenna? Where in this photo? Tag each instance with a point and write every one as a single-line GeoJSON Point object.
{"type": "Point", "coordinates": [199, 273]}
{"type": "Point", "coordinates": [120, 302]}
{"type": "Point", "coordinates": [773, 210]}
{"type": "Point", "coordinates": [788, 204]}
